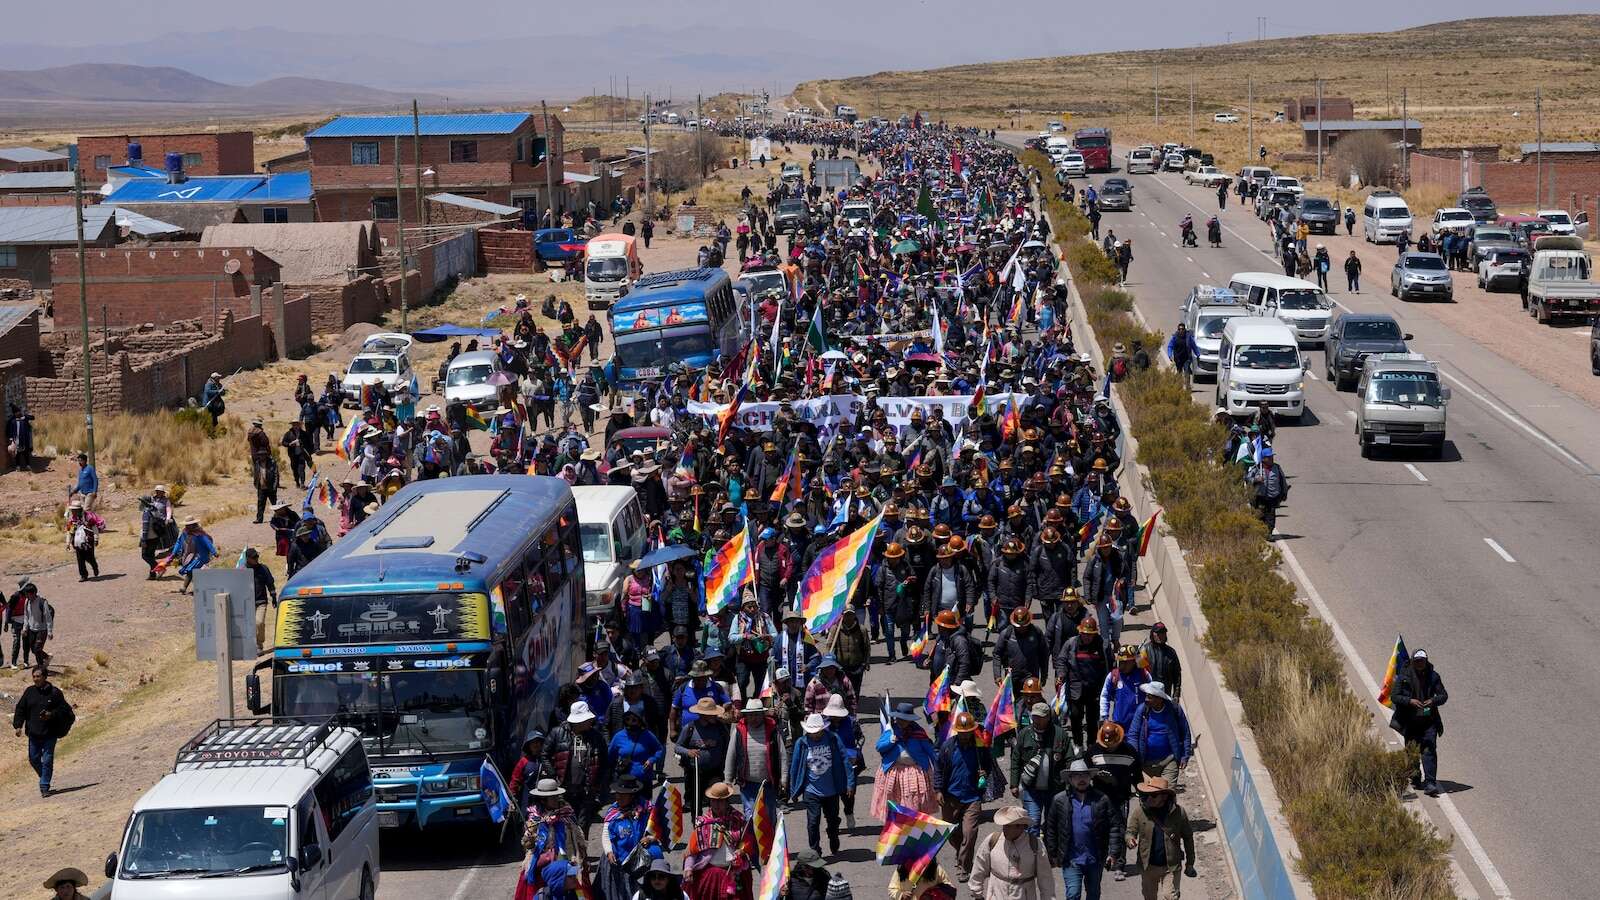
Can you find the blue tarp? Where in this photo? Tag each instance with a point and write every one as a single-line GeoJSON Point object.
{"type": "Point", "coordinates": [445, 332]}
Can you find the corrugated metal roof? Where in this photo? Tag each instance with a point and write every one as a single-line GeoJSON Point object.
{"type": "Point", "coordinates": [55, 224]}
{"type": "Point", "coordinates": [29, 155]}
{"type": "Point", "coordinates": [289, 187]}
{"type": "Point", "coordinates": [495, 209]}
{"type": "Point", "coordinates": [136, 172]}
{"type": "Point", "coordinates": [1363, 125]}
{"type": "Point", "coordinates": [1563, 147]}
{"type": "Point", "coordinates": [35, 180]}
{"type": "Point", "coordinates": [400, 126]}
{"type": "Point", "coordinates": [13, 314]}
{"type": "Point", "coordinates": [579, 178]}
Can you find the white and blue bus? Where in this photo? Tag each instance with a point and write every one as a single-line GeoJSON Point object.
{"type": "Point", "coordinates": [688, 316]}
{"type": "Point", "coordinates": [441, 628]}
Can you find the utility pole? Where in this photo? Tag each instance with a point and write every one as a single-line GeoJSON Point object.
{"type": "Point", "coordinates": [416, 159]}
{"type": "Point", "coordinates": [1158, 95]}
{"type": "Point", "coordinates": [1538, 149]}
{"type": "Point", "coordinates": [1405, 142]}
{"type": "Point", "coordinates": [1319, 129]}
{"type": "Point", "coordinates": [83, 316]}
{"type": "Point", "coordinates": [647, 210]}
{"type": "Point", "coordinates": [1191, 110]}
{"type": "Point", "coordinates": [400, 232]}
{"type": "Point", "coordinates": [549, 161]}
{"type": "Point", "coordinates": [699, 155]}
{"type": "Point", "coordinates": [1249, 115]}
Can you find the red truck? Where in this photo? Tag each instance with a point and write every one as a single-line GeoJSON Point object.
{"type": "Point", "coordinates": [1095, 145]}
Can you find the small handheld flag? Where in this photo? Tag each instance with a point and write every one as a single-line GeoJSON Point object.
{"type": "Point", "coordinates": [1002, 715]}
{"type": "Point", "coordinates": [911, 838]}
{"type": "Point", "coordinates": [494, 790]}
{"type": "Point", "coordinates": [938, 699]}
{"type": "Point", "coordinates": [765, 818]}
{"type": "Point", "coordinates": [346, 449]}
{"type": "Point", "coordinates": [775, 874]}
{"type": "Point", "coordinates": [1146, 531]}
{"type": "Point", "coordinates": [1398, 660]}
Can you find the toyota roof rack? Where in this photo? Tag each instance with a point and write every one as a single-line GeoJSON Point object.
{"type": "Point", "coordinates": [281, 740]}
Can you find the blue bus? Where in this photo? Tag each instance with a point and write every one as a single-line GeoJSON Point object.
{"type": "Point", "coordinates": [688, 316]}
{"type": "Point", "coordinates": [441, 627]}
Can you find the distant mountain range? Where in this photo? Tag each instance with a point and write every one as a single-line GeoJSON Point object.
{"type": "Point", "coordinates": [113, 83]}
{"type": "Point", "coordinates": [684, 61]}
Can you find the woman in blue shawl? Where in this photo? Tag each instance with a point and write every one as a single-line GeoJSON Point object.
{"type": "Point", "coordinates": [906, 757]}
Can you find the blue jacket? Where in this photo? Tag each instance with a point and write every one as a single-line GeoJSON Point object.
{"type": "Point", "coordinates": [957, 769]}
{"type": "Point", "coordinates": [1172, 720]}
{"type": "Point", "coordinates": [639, 756]}
{"type": "Point", "coordinates": [831, 776]}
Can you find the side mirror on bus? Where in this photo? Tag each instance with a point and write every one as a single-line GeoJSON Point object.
{"type": "Point", "coordinates": [252, 694]}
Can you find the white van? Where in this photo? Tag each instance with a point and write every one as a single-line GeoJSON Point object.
{"type": "Point", "coordinates": [1141, 160]}
{"type": "Point", "coordinates": [1259, 362]}
{"type": "Point", "coordinates": [1057, 146]}
{"type": "Point", "coordinates": [611, 530]}
{"type": "Point", "coordinates": [1301, 304]}
{"type": "Point", "coordinates": [256, 809]}
{"type": "Point", "coordinates": [1205, 313]}
{"type": "Point", "coordinates": [1385, 217]}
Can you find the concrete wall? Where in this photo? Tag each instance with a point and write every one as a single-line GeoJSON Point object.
{"type": "Point", "coordinates": [33, 267]}
{"type": "Point", "coordinates": [162, 284]}
{"type": "Point", "coordinates": [22, 199]}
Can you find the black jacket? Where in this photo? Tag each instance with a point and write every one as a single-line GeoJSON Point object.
{"type": "Point", "coordinates": [1052, 568]}
{"type": "Point", "coordinates": [1408, 685]}
{"type": "Point", "coordinates": [933, 585]}
{"type": "Point", "coordinates": [43, 713]}
{"type": "Point", "coordinates": [1164, 666]}
{"type": "Point", "coordinates": [1008, 583]}
{"type": "Point", "coordinates": [1024, 652]}
{"type": "Point", "coordinates": [955, 651]}
{"type": "Point", "coordinates": [1107, 826]}
{"type": "Point", "coordinates": [1084, 673]}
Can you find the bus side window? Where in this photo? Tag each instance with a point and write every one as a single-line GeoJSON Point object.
{"type": "Point", "coordinates": [534, 592]}
{"type": "Point", "coordinates": [555, 574]}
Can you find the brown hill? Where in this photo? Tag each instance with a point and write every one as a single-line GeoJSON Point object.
{"type": "Point", "coordinates": [104, 83]}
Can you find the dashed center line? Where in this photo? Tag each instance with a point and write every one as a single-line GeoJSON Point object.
{"type": "Point", "coordinates": [1499, 549]}
{"type": "Point", "coordinates": [1417, 472]}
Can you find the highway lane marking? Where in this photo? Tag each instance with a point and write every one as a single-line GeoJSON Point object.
{"type": "Point", "coordinates": [1197, 206]}
{"type": "Point", "coordinates": [1516, 420]}
{"type": "Point", "coordinates": [1189, 258]}
{"type": "Point", "coordinates": [1313, 374]}
{"type": "Point", "coordinates": [1417, 472]}
{"type": "Point", "coordinates": [1459, 825]}
{"type": "Point", "coordinates": [1493, 545]}
{"type": "Point", "coordinates": [1351, 413]}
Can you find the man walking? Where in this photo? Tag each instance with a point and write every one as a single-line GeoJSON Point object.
{"type": "Point", "coordinates": [1418, 694]}
{"type": "Point", "coordinates": [1352, 273]}
{"type": "Point", "coordinates": [1160, 733]}
{"type": "Point", "coordinates": [820, 775]}
{"type": "Point", "coordinates": [45, 716]}
{"type": "Point", "coordinates": [961, 771]}
{"type": "Point", "coordinates": [1082, 834]}
{"type": "Point", "coordinates": [87, 488]}
{"type": "Point", "coordinates": [266, 591]}
{"type": "Point", "coordinates": [1162, 840]}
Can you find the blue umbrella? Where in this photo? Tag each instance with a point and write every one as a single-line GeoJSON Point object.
{"type": "Point", "coordinates": [663, 555]}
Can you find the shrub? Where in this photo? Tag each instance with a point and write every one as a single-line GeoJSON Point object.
{"type": "Point", "coordinates": [1339, 782]}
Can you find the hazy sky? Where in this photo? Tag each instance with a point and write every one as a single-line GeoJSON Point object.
{"type": "Point", "coordinates": [931, 31]}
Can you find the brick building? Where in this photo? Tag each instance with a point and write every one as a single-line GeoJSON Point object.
{"type": "Point", "coordinates": [1569, 184]}
{"type": "Point", "coordinates": [32, 159]}
{"type": "Point", "coordinates": [497, 157]}
{"type": "Point", "coordinates": [163, 284]}
{"type": "Point", "coordinates": [29, 234]}
{"type": "Point", "coordinates": [1304, 109]}
{"type": "Point", "coordinates": [19, 334]}
{"type": "Point", "coordinates": [204, 152]}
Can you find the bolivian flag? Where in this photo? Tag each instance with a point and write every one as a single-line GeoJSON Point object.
{"type": "Point", "coordinates": [475, 420]}
{"type": "Point", "coordinates": [1147, 530]}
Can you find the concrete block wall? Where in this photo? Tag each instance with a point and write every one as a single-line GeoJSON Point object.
{"type": "Point", "coordinates": [162, 284]}
{"type": "Point", "coordinates": [505, 251]}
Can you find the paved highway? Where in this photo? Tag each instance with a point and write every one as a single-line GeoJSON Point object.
{"type": "Point", "coordinates": [1485, 557]}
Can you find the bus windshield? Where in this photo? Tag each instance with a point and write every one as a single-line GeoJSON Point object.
{"type": "Point", "coordinates": [656, 348]}
{"type": "Point", "coordinates": [402, 713]}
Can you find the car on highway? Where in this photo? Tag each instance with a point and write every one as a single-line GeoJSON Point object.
{"type": "Point", "coordinates": [1254, 174]}
{"type": "Point", "coordinates": [1205, 312]}
{"type": "Point", "coordinates": [1560, 221]}
{"type": "Point", "coordinates": [1319, 215]}
{"type": "Point", "coordinates": [792, 215]}
{"type": "Point", "coordinates": [1270, 202]}
{"type": "Point", "coordinates": [1384, 217]}
{"type": "Point", "coordinates": [1259, 362]}
{"type": "Point", "coordinates": [1352, 338]}
{"type": "Point", "coordinates": [1300, 304]}
{"type": "Point", "coordinates": [1452, 218]}
{"type": "Point", "coordinates": [1225, 118]}
{"type": "Point", "coordinates": [1290, 183]}
{"type": "Point", "coordinates": [1401, 404]}
{"type": "Point", "coordinates": [1421, 275]}
{"type": "Point", "coordinates": [1502, 267]}
{"type": "Point", "coordinates": [1561, 281]}
{"type": "Point", "coordinates": [1206, 176]}
{"type": "Point", "coordinates": [1056, 127]}
{"type": "Point", "coordinates": [1073, 165]}
{"type": "Point", "coordinates": [1173, 161]}
{"type": "Point", "coordinates": [468, 379]}
{"type": "Point", "coordinates": [1524, 229]}
{"type": "Point", "coordinates": [1477, 200]}
{"type": "Point", "coordinates": [1486, 238]}
{"type": "Point", "coordinates": [384, 358]}
{"type": "Point", "coordinates": [1115, 197]}
{"type": "Point", "coordinates": [1141, 161]}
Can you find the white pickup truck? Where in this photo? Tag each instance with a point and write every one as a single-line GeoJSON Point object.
{"type": "Point", "coordinates": [1561, 281]}
{"type": "Point", "coordinates": [1209, 176]}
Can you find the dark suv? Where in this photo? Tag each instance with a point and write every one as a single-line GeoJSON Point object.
{"type": "Point", "coordinates": [1352, 338]}
{"type": "Point", "coordinates": [792, 215]}
{"type": "Point", "coordinates": [1477, 202]}
{"type": "Point", "coordinates": [1318, 214]}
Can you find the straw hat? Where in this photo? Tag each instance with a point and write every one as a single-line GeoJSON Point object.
{"type": "Point", "coordinates": [75, 876]}
{"type": "Point", "coordinates": [1152, 784]}
{"type": "Point", "coordinates": [720, 791]}
{"type": "Point", "coordinates": [1014, 815]}
{"type": "Point", "coordinates": [836, 708]}
{"type": "Point", "coordinates": [706, 706]}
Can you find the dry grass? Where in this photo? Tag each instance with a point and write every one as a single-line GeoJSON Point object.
{"type": "Point", "coordinates": [1462, 93]}
{"type": "Point", "coordinates": [146, 448]}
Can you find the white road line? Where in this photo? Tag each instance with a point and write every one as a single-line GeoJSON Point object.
{"type": "Point", "coordinates": [1499, 549]}
{"type": "Point", "coordinates": [1351, 413]}
{"type": "Point", "coordinates": [1459, 825]}
{"type": "Point", "coordinates": [464, 889]}
{"type": "Point", "coordinates": [1189, 258]}
{"type": "Point", "coordinates": [1516, 420]}
{"type": "Point", "coordinates": [1417, 472]}
{"type": "Point", "coordinates": [1313, 374]}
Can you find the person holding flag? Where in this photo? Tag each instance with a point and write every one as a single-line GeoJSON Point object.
{"type": "Point", "coordinates": [718, 861]}
{"type": "Point", "coordinates": [1416, 695]}
{"type": "Point", "coordinates": [961, 772]}
{"type": "Point", "coordinates": [627, 848]}
{"type": "Point", "coordinates": [751, 636]}
{"type": "Point", "coordinates": [905, 765]}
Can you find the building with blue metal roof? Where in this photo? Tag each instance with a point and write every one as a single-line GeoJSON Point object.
{"type": "Point", "coordinates": [195, 203]}
{"type": "Point", "coordinates": [430, 125]}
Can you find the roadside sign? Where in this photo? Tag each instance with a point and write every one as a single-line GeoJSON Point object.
{"type": "Point", "coordinates": [239, 585]}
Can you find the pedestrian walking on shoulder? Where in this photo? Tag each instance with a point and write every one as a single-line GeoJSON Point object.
{"type": "Point", "coordinates": [1082, 833]}
{"type": "Point", "coordinates": [44, 716]}
{"type": "Point", "coordinates": [1352, 273]}
{"type": "Point", "coordinates": [1418, 693]}
{"type": "Point", "coordinates": [1349, 221]}
{"type": "Point", "coordinates": [266, 594]}
{"type": "Point", "coordinates": [647, 232]}
{"type": "Point", "coordinates": [1012, 864]}
{"type": "Point", "coordinates": [1321, 263]}
{"type": "Point", "coordinates": [33, 622]}
{"type": "Point", "coordinates": [87, 486]}
{"type": "Point", "coordinates": [1162, 839]}
{"type": "Point", "coordinates": [1160, 733]}
{"type": "Point", "coordinates": [1222, 195]}
{"type": "Point", "coordinates": [83, 533]}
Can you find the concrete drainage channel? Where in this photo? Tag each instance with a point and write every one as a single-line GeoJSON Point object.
{"type": "Point", "coordinates": [1261, 848]}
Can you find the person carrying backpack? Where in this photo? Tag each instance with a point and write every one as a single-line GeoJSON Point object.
{"type": "Point", "coordinates": [1271, 489]}
{"type": "Point", "coordinates": [44, 714]}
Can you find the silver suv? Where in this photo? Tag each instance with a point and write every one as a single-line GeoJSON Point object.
{"type": "Point", "coordinates": [1421, 275]}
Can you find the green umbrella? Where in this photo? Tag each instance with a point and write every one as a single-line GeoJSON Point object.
{"type": "Point", "coordinates": [905, 247]}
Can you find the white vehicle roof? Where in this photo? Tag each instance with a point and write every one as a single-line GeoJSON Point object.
{"type": "Point", "coordinates": [475, 358]}
{"type": "Point", "coordinates": [386, 342]}
{"type": "Point", "coordinates": [601, 502]}
{"type": "Point", "coordinates": [1260, 330]}
{"type": "Point", "coordinates": [1404, 362]}
{"type": "Point", "coordinates": [1455, 212]}
{"type": "Point", "coordinates": [263, 765]}
{"type": "Point", "coordinates": [1276, 280]}
{"type": "Point", "coordinates": [1213, 295]}
{"type": "Point", "coordinates": [1546, 213]}
{"type": "Point", "coordinates": [608, 248]}
{"type": "Point", "coordinates": [1386, 200]}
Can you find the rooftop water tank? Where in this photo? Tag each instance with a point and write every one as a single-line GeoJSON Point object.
{"type": "Point", "coordinates": [174, 167]}
{"type": "Point", "coordinates": [135, 153]}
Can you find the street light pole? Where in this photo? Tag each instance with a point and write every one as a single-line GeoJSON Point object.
{"type": "Point", "coordinates": [1538, 150]}
{"type": "Point", "coordinates": [1249, 115]}
{"type": "Point", "coordinates": [416, 159]}
{"type": "Point", "coordinates": [1319, 129]}
{"type": "Point", "coordinates": [1158, 95]}
{"type": "Point", "coordinates": [83, 316]}
{"type": "Point", "coordinates": [647, 117]}
{"type": "Point", "coordinates": [400, 232]}
{"type": "Point", "coordinates": [549, 161]}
